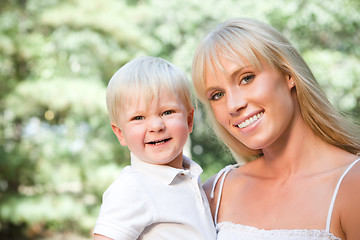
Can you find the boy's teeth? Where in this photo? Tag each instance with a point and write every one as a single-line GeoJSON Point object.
{"type": "Point", "coordinates": [157, 143]}
{"type": "Point", "coordinates": [249, 121]}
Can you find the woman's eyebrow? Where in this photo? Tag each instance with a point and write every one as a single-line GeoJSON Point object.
{"type": "Point", "coordinates": [238, 70]}
{"type": "Point", "coordinates": [210, 89]}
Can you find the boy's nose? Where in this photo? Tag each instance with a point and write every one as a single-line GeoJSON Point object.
{"type": "Point", "coordinates": [156, 124]}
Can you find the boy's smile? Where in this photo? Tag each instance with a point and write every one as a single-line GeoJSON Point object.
{"type": "Point", "coordinates": [158, 142]}
{"type": "Point", "coordinates": [157, 131]}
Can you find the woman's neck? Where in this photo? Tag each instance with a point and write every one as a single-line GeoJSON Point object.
{"type": "Point", "coordinates": [294, 152]}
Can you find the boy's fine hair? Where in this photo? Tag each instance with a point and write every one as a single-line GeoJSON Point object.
{"type": "Point", "coordinates": [145, 77]}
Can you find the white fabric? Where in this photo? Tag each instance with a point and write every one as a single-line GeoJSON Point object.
{"type": "Point", "coordinates": [224, 171]}
{"type": "Point", "coordinates": [156, 202]}
{"type": "Point", "coordinates": [328, 220]}
{"type": "Point", "coordinates": [232, 231]}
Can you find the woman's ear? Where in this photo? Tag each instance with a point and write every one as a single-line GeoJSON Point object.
{"type": "Point", "coordinates": [119, 134]}
{"type": "Point", "coordinates": [290, 81]}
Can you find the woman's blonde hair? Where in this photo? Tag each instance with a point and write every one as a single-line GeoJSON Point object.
{"type": "Point", "coordinates": [146, 77]}
{"type": "Point", "coordinates": [241, 38]}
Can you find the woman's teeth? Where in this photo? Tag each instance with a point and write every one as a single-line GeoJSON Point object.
{"type": "Point", "coordinates": [250, 120]}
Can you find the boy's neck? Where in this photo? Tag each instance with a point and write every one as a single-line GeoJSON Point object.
{"type": "Point", "coordinates": [177, 162]}
{"type": "Point", "coordinates": [185, 165]}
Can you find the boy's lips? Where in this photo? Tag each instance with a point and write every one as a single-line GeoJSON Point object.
{"type": "Point", "coordinates": [158, 142]}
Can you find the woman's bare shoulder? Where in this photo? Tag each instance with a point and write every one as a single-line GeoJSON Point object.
{"type": "Point", "coordinates": [208, 185]}
{"type": "Point", "coordinates": [351, 183]}
{"type": "Point", "coordinates": [348, 200]}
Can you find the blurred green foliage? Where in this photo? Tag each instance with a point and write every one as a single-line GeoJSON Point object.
{"type": "Point", "coordinates": [57, 150]}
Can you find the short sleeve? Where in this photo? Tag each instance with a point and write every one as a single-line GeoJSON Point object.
{"type": "Point", "coordinates": [125, 211]}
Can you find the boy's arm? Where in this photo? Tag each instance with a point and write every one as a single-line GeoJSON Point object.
{"type": "Point", "coordinates": [100, 237]}
{"type": "Point", "coordinates": [125, 211]}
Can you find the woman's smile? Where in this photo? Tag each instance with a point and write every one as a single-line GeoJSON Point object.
{"type": "Point", "coordinates": [250, 120]}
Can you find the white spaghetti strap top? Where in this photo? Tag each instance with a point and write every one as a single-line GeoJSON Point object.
{"type": "Point", "coordinates": [331, 208]}
{"type": "Point", "coordinates": [228, 168]}
{"type": "Point", "coordinates": [223, 172]}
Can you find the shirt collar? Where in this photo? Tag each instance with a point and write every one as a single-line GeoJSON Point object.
{"type": "Point", "coordinates": [165, 173]}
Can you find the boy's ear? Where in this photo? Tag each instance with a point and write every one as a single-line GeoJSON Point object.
{"type": "Point", "coordinates": [190, 120]}
{"type": "Point", "coordinates": [119, 134]}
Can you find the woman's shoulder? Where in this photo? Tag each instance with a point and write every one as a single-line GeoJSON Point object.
{"type": "Point", "coordinates": [351, 179]}
{"type": "Point", "coordinates": [211, 182]}
{"type": "Point", "coordinates": [208, 185]}
{"type": "Point", "coordinates": [348, 199]}
{"type": "Point", "coordinates": [212, 185]}
{"type": "Point", "coordinates": [228, 172]}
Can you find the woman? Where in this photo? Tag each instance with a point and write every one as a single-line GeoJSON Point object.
{"type": "Point", "coordinates": [301, 179]}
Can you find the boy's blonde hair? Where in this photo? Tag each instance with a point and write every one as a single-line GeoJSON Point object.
{"type": "Point", "coordinates": [242, 38]}
{"type": "Point", "coordinates": [146, 77]}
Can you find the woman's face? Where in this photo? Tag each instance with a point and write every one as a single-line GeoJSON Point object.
{"type": "Point", "coordinates": [255, 105]}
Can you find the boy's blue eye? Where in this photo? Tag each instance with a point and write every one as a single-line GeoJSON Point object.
{"type": "Point", "coordinates": [216, 96]}
{"type": "Point", "coordinates": [168, 112]}
{"type": "Point", "coordinates": [138, 118]}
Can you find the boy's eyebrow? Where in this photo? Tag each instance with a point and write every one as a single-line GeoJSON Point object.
{"type": "Point", "coordinates": [130, 113]}
{"type": "Point", "coordinates": [171, 104]}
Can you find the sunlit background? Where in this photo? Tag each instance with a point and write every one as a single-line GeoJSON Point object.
{"type": "Point", "coordinates": [57, 151]}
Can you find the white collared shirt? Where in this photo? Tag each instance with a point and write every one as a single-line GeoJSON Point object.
{"type": "Point", "coordinates": [156, 202]}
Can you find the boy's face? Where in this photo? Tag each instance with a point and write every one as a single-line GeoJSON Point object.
{"type": "Point", "coordinates": [156, 134]}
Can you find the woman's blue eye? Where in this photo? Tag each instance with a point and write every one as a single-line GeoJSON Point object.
{"type": "Point", "coordinates": [247, 79]}
{"type": "Point", "coordinates": [216, 96]}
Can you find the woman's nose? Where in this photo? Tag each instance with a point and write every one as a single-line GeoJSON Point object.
{"type": "Point", "coordinates": [235, 101]}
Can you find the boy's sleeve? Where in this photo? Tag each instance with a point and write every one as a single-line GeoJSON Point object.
{"type": "Point", "coordinates": [125, 211]}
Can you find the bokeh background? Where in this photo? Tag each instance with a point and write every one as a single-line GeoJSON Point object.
{"type": "Point", "coordinates": [57, 151]}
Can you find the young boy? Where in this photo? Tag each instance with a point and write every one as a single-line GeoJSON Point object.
{"type": "Point", "coordinates": [160, 195]}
